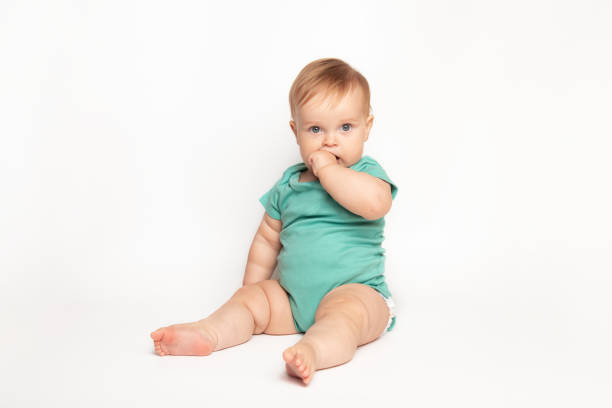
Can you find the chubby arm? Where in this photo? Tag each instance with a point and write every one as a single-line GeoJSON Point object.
{"type": "Point", "coordinates": [264, 250]}
{"type": "Point", "coordinates": [358, 192]}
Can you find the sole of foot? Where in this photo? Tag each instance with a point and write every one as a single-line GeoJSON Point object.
{"type": "Point", "coordinates": [183, 340]}
{"type": "Point", "coordinates": [299, 361]}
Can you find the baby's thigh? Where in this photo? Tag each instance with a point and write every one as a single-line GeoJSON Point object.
{"type": "Point", "coordinates": [281, 317]}
{"type": "Point", "coordinates": [362, 303]}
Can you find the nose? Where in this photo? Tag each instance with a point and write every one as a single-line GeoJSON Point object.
{"type": "Point", "coordinates": [329, 139]}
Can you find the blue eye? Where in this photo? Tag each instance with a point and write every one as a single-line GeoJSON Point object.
{"type": "Point", "coordinates": [346, 124]}
{"type": "Point", "coordinates": [314, 127]}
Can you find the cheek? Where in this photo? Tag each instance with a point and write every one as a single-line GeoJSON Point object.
{"type": "Point", "coordinates": [305, 152]}
{"type": "Point", "coordinates": [308, 145]}
{"type": "Point", "coordinates": [355, 150]}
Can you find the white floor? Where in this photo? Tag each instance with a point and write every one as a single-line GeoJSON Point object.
{"type": "Point", "coordinates": [446, 350]}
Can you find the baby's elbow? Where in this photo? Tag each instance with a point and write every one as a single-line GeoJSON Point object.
{"type": "Point", "coordinates": [378, 209]}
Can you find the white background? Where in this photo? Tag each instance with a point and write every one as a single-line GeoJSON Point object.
{"type": "Point", "coordinates": [137, 136]}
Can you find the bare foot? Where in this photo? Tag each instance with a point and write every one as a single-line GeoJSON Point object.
{"type": "Point", "coordinates": [300, 360]}
{"type": "Point", "coordinates": [189, 339]}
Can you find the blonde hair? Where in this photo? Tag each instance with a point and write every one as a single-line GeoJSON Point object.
{"type": "Point", "coordinates": [332, 75]}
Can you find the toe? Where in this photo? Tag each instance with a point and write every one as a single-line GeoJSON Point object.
{"type": "Point", "coordinates": [288, 355]}
{"type": "Point", "coordinates": [157, 335]}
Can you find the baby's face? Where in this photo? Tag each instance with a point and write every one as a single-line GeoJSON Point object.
{"type": "Point", "coordinates": [341, 129]}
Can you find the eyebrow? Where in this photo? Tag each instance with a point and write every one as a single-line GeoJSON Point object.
{"type": "Point", "coordinates": [310, 122]}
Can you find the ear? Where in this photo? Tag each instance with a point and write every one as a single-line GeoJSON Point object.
{"type": "Point", "coordinates": [369, 123]}
{"type": "Point", "coordinates": [293, 127]}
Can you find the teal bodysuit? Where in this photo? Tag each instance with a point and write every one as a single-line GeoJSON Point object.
{"type": "Point", "coordinates": [324, 244]}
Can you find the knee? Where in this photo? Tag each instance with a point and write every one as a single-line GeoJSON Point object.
{"type": "Point", "coordinates": [245, 292]}
{"type": "Point", "coordinates": [254, 298]}
{"type": "Point", "coordinates": [347, 309]}
{"type": "Point", "coordinates": [251, 290]}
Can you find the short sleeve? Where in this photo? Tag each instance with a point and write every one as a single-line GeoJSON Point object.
{"type": "Point", "coordinates": [371, 166]}
{"type": "Point", "coordinates": [270, 201]}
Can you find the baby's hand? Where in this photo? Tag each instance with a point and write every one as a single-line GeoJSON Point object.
{"type": "Point", "coordinates": [319, 159]}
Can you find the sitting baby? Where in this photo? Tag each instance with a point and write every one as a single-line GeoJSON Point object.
{"type": "Point", "coordinates": [323, 227]}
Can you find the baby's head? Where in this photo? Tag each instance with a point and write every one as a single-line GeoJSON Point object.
{"type": "Point", "coordinates": [330, 110]}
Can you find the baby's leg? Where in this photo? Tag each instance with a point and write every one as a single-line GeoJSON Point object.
{"type": "Point", "coordinates": [254, 309]}
{"type": "Point", "coordinates": [347, 317]}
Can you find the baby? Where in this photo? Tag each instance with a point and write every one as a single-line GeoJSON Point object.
{"type": "Point", "coordinates": [323, 227]}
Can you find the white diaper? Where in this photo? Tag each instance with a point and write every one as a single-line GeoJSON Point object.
{"type": "Point", "coordinates": [391, 306]}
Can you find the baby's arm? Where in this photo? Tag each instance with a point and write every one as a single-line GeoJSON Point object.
{"type": "Point", "coordinates": [358, 192]}
{"type": "Point", "coordinates": [264, 250]}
